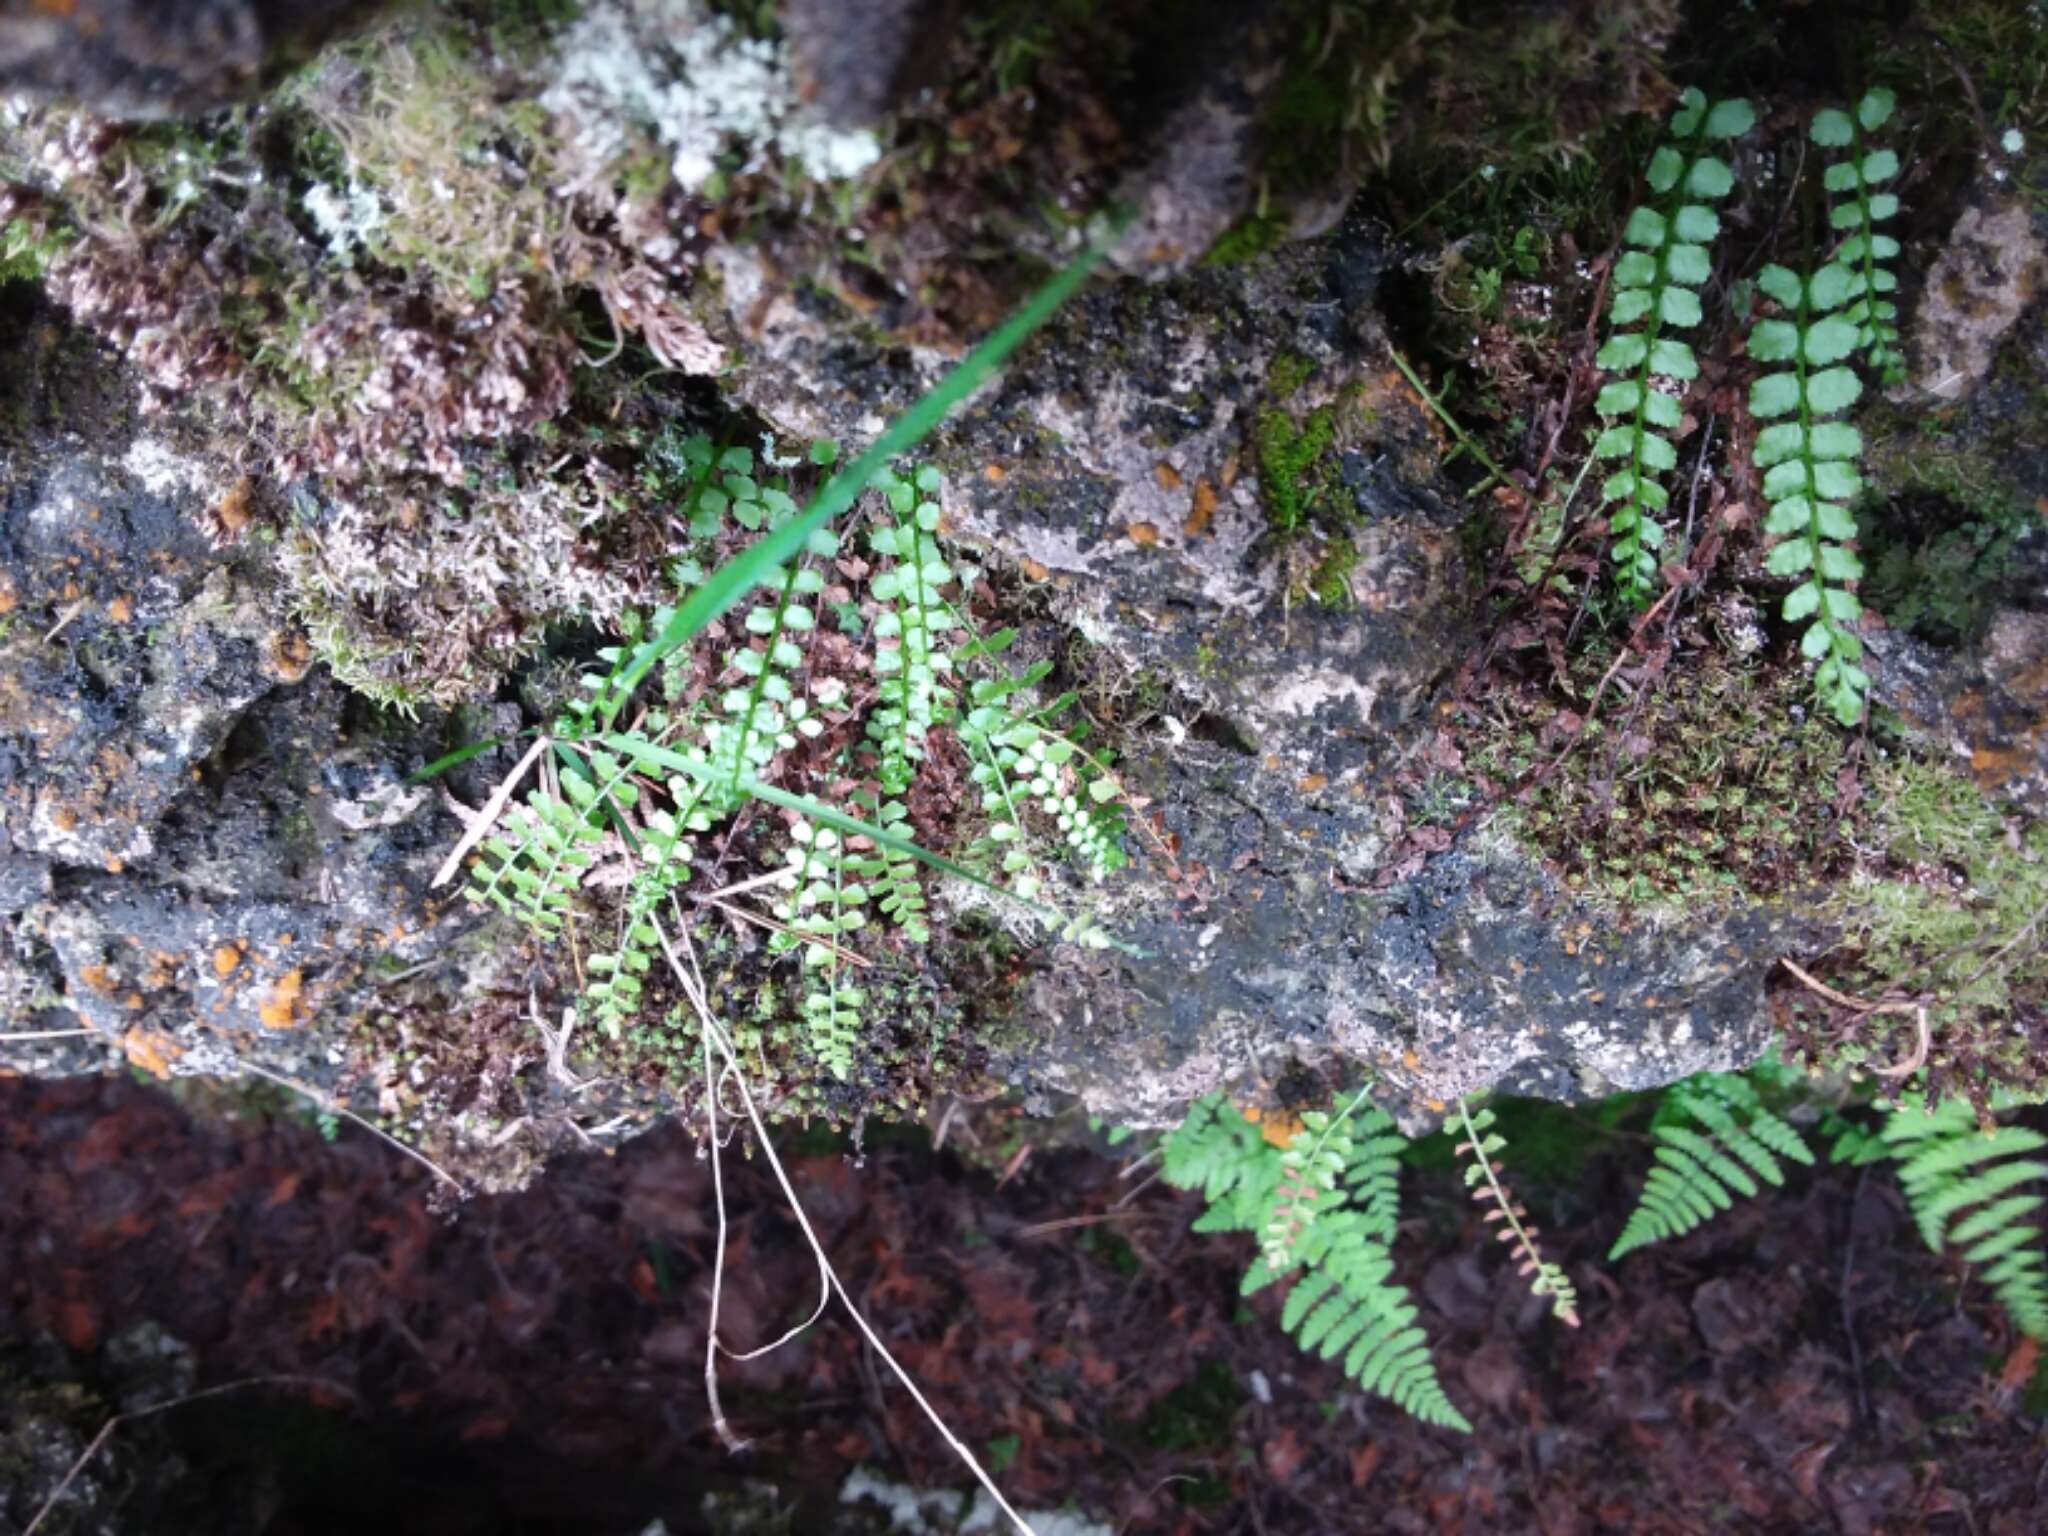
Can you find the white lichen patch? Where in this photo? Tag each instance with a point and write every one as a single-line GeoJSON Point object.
{"type": "Point", "coordinates": [347, 217]}
{"type": "Point", "coordinates": [714, 97]}
{"type": "Point", "coordinates": [164, 472]}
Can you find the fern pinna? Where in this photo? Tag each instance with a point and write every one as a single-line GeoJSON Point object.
{"type": "Point", "coordinates": [1655, 287]}
{"type": "Point", "coordinates": [1716, 1139]}
{"type": "Point", "coordinates": [1859, 207]}
{"type": "Point", "coordinates": [1965, 1186]}
{"type": "Point", "coordinates": [1324, 1206]}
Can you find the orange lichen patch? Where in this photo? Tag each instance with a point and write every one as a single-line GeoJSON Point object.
{"type": "Point", "coordinates": [291, 656]}
{"type": "Point", "coordinates": [1167, 476]}
{"type": "Point", "coordinates": [114, 865]}
{"type": "Point", "coordinates": [152, 1051]}
{"type": "Point", "coordinates": [121, 609]}
{"type": "Point", "coordinates": [132, 1002]}
{"type": "Point", "coordinates": [100, 978]}
{"type": "Point", "coordinates": [8, 601]}
{"type": "Point", "coordinates": [1994, 767]}
{"type": "Point", "coordinates": [226, 958]}
{"type": "Point", "coordinates": [995, 474]}
{"type": "Point", "coordinates": [1033, 569]}
{"type": "Point", "coordinates": [1277, 1126]}
{"type": "Point", "coordinates": [280, 1010]}
{"type": "Point", "coordinates": [63, 818]}
{"type": "Point", "coordinates": [1436, 1106]}
{"type": "Point", "coordinates": [1204, 510]}
{"type": "Point", "coordinates": [1143, 534]}
{"type": "Point", "coordinates": [1309, 784]}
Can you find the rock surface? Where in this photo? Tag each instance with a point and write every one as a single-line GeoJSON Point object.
{"type": "Point", "coordinates": [151, 59]}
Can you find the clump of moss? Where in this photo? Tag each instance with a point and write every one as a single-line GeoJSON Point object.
{"type": "Point", "coordinates": [1718, 786]}
{"type": "Point", "coordinates": [1292, 474]}
{"type": "Point", "coordinates": [1948, 908]}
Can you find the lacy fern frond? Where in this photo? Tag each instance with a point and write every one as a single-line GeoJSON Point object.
{"type": "Point", "coordinates": [1480, 1142]}
{"type": "Point", "coordinates": [531, 867]}
{"type": "Point", "coordinates": [613, 993]}
{"type": "Point", "coordinates": [1656, 283]}
{"type": "Point", "coordinates": [1859, 208]}
{"type": "Point", "coordinates": [1715, 1139]}
{"type": "Point", "coordinates": [1334, 1192]}
{"type": "Point", "coordinates": [1810, 475]}
{"type": "Point", "coordinates": [1217, 1151]}
{"type": "Point", "coordinates": [1964, 1187]}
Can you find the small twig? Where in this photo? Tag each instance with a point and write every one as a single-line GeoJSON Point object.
{"type": "Point", "coordinates": [334, 1106]}
{"type": "Point", "coordinates": [64, 619]}
{"type": "Point", "coordinates": [1862, 1007]}
{"type": "Point", "coordinates": [1522, 791]}
{"type": "Point", "coordinates": [480, 824]}
{"type": "Point", "coordinates": [713, 1034]}
{"type": "Point", "coordinates": [1040, 1229]}
{"type": "Point", "coordinates": [47, 1034]}
{"type": "Point", "coordinates": [1848, 1302]}
{"type": "Point", "coordinates": [108, 1428]}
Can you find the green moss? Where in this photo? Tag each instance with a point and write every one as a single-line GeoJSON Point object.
{"type": "Point", "coordinates": [1289, 457]}
{"type": "Point", "coordinates": [26, 255]}
{"type": "Point", "coordinates": [1195, 1415]}
{"type": "Point", "coordinates": [1719, 786]}
{"type": "Point", "coordinates": [1953, 913]}
{"type": "Point", "coordinates": [1330, 582]}
{"type": "Point", "coordinates": [1247, 240]}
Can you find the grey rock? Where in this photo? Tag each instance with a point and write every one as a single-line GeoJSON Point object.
{"type": "Point", "coordinates": [160, 58]}
{"type": "Point", "coordinates": [1116, 464]}
{"type": "Point", "coordinates": [857, 59]}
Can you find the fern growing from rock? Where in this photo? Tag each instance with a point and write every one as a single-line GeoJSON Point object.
{"type": "Point", "coordinates": [1656, 283]}
{"type": "Point", "coordinates": [1856, 180]}
{"type": "Point", "coordinates": [1324, 1208]}
{"type": "Point", "coordinates": [1716, 1139]}
{"type": "Point", "coordinates": [1480, 1143]}
{"type": "Point", "coordinates": [1810, 469]}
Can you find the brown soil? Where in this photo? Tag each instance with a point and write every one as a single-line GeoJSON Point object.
{"type": "Point", "coordinates": [535, 1363]}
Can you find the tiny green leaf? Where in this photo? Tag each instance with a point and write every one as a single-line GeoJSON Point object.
{"type": "Point", "coordinates": [1832, 128]}
{"type": "Point", "coordinates": [1802, 601]}
{"type": "Point", "coordinates": [1775, 394]}
{"type": "Point", "coordinates": [1833, 389]}
{"type": "Point", "coordinates": [1790, 558]}
{"type": "Point", "coordinates": [1730, 119]}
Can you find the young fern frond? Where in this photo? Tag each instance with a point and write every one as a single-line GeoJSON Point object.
{"type": "Point", "coordinates": [1656, 284]}
{"type": "Point", "coordinates": [1310, 1166]}
{"type": "Point", "coordinates": [1715, 1140]}
{"type": "Point", "coordinates": [1810, 474]}
{"type": "Point", "coordinates": [1857, 212]}
{"type": "Point", "coordinates": [1344, 1304]}
{"type": "Point", "coordinates": [825, 904]}
{"type": "Point", "coordinates": [1482, 1176]}
{"type": "Point", "coordinates": [1964, 1187]}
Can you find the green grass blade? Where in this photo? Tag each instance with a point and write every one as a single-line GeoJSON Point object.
{"type": "Point", "coordinates": [734, 579]}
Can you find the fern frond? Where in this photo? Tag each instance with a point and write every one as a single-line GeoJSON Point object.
{"type": "Point", "coordinates": [824, 903]}
{"type": "Point", "coordinates": [1857, 213]}
{"type": "Point", "coordinates": [1344, 1303]}
{"type": "Point", "coordinates": [1656, 284]}
{"type": "Point", "coordinates": [1810, 474]}
{"type": "Point", "coordinates": [916, 625]}
{"type": "Point", "coordinates": [1482, 1176]}
{"type": "Point", "coordinates": [614, 992]}
{"type": "Point", "coordinates": [530, 869]}
{"type": "Point", "coordinates": [1310, 1166]}
{"type": "Point", "coordinates": [1715, 1139]}
{"type": "Point", "coordinates": [1962, 1185]}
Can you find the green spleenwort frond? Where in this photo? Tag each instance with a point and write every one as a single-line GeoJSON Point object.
{"type": "Point", "coordinates": [1656, 282]}
{"type": "Point", "coordinates": [823, 908]}
{"type": "Point", "coordinates": [664, 851]}
{"type": "Point", "coordinates": [1344, 1304]}
{"type": "Point", "coordinates": [1715, 1140]}
{"type": "Point", "coordinates": [915, 629]}
{"type": "Point", "coordinates": [1481, 1143]}
{"type": "Point", "coordinates": [1809, 469]}
{"type": "Point", "coordinates": [1965, 1188]}
{"type": "Point", "coordinates": [1860, 206]}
